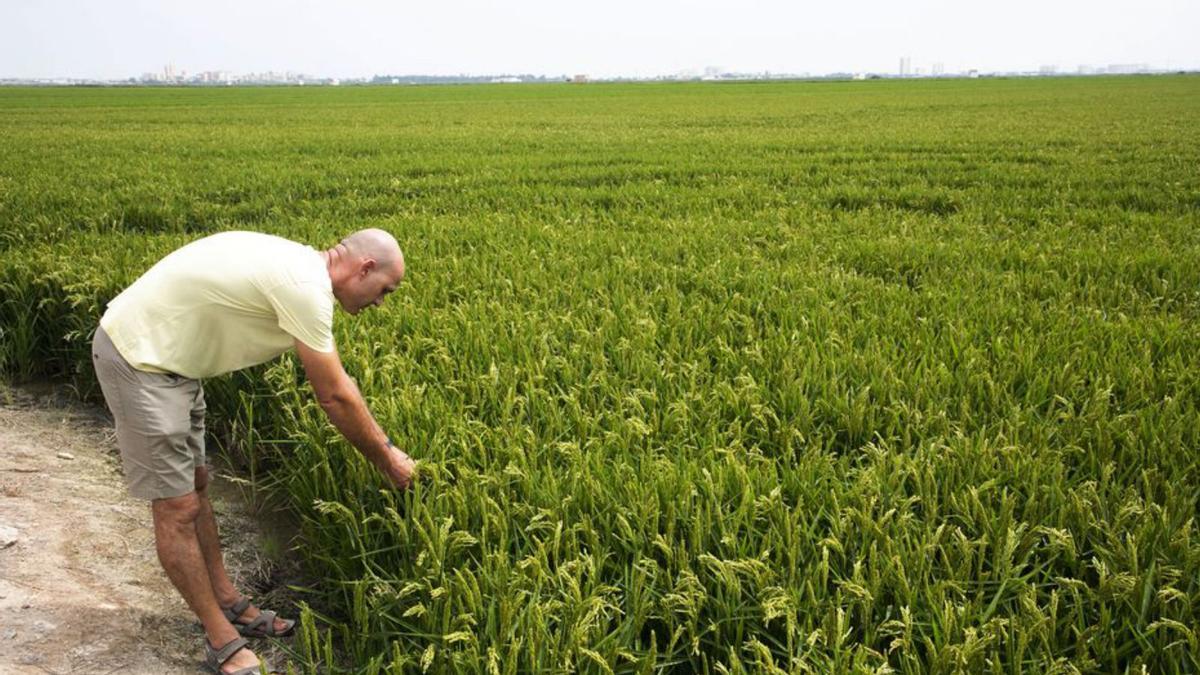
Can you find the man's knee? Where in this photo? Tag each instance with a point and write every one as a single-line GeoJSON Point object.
{"type": "Point", "coordinates": [176, 511]}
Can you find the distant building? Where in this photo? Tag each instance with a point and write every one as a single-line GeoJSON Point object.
{"type": "Point", "coordinates": [579, 79]}
{"type": "Point", "coordinates": [905, 66]}
{"type": "Point", "coordinates": [1127, 68]}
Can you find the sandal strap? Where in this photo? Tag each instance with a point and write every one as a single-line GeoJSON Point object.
{"type": "Point", "coordinates": [264, 622]}
{"type": "Point", "coordinates": [224, 653]}
{"type": "Point", "coordinates": [236, 609]}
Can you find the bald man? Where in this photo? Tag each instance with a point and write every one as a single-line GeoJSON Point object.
{"type": "Point", "coordinates": [219, 304]}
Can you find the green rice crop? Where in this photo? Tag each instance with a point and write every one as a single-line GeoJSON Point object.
{"type": "Point", "coordinates": [787, 377]}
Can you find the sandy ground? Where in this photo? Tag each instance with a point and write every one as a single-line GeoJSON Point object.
{"type": "Point", "coordinates": [81, 590]}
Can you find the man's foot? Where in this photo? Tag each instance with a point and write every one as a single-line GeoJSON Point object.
{"type": "Point", "coordinates": [243, 659]}
{"type": "Point", "coordinates": [250, 614]}
{"type": "Point", "coordinates": [233, 656]}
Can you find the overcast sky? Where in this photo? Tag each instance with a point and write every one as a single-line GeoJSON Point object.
{"type": "Point", "coordinates": [109, 39]}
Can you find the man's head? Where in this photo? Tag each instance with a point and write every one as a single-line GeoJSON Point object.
{"type": "Point", "coordinates": [364, 268]}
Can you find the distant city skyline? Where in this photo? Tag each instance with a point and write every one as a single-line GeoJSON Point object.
{"type": "Point", "coordinates": [170, 75]}
{"type": "Point", "coordinates": [360, 39]}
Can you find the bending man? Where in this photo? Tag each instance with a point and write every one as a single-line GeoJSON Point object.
{"type": "Point", "coordinates": [219, 304]}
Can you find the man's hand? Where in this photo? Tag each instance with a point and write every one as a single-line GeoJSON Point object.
{"type": "Point", "coordinates": [400, 467]}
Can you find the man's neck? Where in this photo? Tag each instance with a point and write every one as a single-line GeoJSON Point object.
{"type": "Point", "coordinates": [332, 257]}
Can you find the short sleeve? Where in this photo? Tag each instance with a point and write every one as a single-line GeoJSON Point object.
{"type": "Point", "coordinates": [305, 311]}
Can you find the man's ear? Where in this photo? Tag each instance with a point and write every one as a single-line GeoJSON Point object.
{"type": "Point", "coordinates": [366, 268]}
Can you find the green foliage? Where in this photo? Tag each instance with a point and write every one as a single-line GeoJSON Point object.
{"type": "Point", "coordinates": [785, 377]}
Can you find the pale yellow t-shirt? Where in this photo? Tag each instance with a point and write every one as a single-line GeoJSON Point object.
{"type": "Point", "coordinates": [222, 303]}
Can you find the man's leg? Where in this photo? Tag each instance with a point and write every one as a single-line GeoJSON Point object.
{"type": "Point", "coordinates": [151, 456]}
{"type": "Point", "coordinates": [210, 547]}
{"type": "Point", "coordinates": [175, 538]}
{"type": "Point", "coordinates": [210, 543]}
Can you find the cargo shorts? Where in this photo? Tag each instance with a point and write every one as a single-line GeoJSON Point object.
{"type": "Point", "coordinates": [160, 423]}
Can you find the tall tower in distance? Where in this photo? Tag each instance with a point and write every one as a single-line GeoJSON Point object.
{"type": "Point", "coordinates": [905, 66]}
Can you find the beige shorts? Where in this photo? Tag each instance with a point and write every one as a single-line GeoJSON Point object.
{"type": "Point", "coordinates": [160, 423]}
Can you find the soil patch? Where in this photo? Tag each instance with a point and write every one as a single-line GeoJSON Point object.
{"type": "Point", "coordinates": [81, 590]}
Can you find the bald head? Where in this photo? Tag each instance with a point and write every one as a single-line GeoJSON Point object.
{"type": "Point", "coordinates": [364, 268]}
{"type": "Point", "coordinates": [377, 245]}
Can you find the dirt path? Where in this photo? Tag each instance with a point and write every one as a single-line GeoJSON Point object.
{"type": "Point", "coordinates": [81, 590]}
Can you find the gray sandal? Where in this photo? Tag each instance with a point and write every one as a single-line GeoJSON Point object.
{"type": "Point", "coordinates": [261, 626]}
{"type": "Point", "coordinates": [215, 658]}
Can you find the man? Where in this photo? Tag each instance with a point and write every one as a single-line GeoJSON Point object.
{"type": "Point", "coordinates": [216, 305]}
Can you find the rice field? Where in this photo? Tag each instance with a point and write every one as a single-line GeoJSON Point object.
{"type": "Point", "coordinates": [895, 376]}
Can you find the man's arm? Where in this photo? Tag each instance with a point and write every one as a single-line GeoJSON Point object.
{"type": "Point", "coordinates": [343, 403]}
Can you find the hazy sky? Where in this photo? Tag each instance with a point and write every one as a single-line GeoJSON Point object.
{"type": "Point", "coordinates": [111, 39]}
